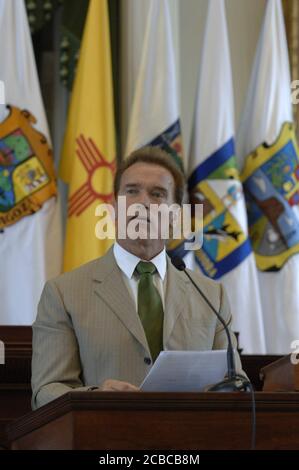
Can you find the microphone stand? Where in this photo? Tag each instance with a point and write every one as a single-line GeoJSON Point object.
{"type": "Point", "coordinates": [233, 382]}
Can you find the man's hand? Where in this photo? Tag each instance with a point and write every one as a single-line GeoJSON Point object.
{"type": "Point", "coordinates": [111, 385]}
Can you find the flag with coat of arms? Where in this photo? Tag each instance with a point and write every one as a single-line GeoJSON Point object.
{"type": "Point", "coordinates": [30, 225]}
{"type": "Point", "coordinates": [226, 254]}
{"type": "Point", "coordinates": [154, 117]}
{"type": "Point", "coordinates": [269, 162]}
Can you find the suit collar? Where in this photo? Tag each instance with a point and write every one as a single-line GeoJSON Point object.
{"type": "Point", "coordinates": [104, 266]}
{"type": "Point", "coordinates": [110, 286]}
{"type": "Point", "coordinates": [176, 298]}
{"type": "Point", "coordinates": [127, 262]}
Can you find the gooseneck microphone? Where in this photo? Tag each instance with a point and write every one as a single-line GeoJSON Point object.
{"type": "Point", "coordinates": [233, 381]}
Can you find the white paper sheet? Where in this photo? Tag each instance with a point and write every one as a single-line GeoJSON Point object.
{"type": "Point", "coordinates": [185, 371]}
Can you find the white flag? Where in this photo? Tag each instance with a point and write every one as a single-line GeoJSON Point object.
{"type": "Point", "coordinates": [226, 253]}
{"type": "Point", "coordinates": [267, 144]}
{"type": "Point", "coordinates": [154, 118]}
{"type": "Point", "coordinates": [30, 235]}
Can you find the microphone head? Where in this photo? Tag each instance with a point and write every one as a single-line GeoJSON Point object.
{"type": "Point", "coordinates": [178, 263]}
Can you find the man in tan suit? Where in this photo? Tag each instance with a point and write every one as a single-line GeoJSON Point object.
{"type": "Point", "coordinates": [89, 332]}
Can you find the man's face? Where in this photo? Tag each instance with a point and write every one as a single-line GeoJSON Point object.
{"type": "Point", "coordinates": [143, 184]}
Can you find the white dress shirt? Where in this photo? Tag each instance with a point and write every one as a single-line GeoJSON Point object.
{"type": "Point", "coordinates": [127, 263]}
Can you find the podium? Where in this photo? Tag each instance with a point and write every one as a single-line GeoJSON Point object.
{"type": "Point", "coordinates": [281, 375]}
{"type": "Point", "coordinates": [98, 420]}
{"type": "Point", "coordinates": [147, 421]}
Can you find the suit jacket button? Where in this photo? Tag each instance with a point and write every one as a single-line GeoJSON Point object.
{"type": "Point", "coordinates": [147, 360]}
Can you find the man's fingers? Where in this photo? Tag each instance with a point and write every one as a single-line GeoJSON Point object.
{"type": "Point", "coordinates": [118, 386]}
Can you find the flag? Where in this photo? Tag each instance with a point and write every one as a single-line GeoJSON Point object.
{"type": "Point", "coordinates": [154, 118]}
{"type": "Point", "coordinates": [134, 15]}
{"type": "Point", "coordinates": [30, 229]}
{"type": "Point", "coordinates": [88, 155]}
{"type": "Point", "coordinates": [270, 174]}
{"type": "Point", "coordinates": [226, 253]}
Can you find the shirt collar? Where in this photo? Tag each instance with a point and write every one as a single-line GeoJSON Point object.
{"type": "Point", "coordinates": [127, 262]}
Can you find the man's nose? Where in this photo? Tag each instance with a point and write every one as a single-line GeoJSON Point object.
{"type": "Point", "coordinates": [144, 199]}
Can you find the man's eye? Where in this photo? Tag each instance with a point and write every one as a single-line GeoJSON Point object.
{"type": "Point", "coordinates": [132, 191]}
{"type": "Point", "coordinates": [157, 194]}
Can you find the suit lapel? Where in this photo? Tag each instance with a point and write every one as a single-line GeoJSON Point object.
{"type": "Point", "coordinates": [110, 287]}
{"type": "Point", "coordinates": [176, 299]}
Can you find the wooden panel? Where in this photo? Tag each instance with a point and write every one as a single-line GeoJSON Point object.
{"type": "Point", "coordinates": [58, 435]}
{"type": "Point", "coordinates": [281, 375]}
{"type": "Point", "coordinates": [252, 364]}
{"type": "Point", "coordinates": [15, 375]}
{"type": "Point", "coordinates": [18, 351]}
{"type": "Point", "coordinates": [101, 420]}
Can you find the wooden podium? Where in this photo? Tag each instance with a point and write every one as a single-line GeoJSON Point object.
{"type": "Point", "coordinates": [140, 420]}
{"type": "Point", "coordinates": [281, 376]}
{"type": "Point", "coordinates": [94, 420]}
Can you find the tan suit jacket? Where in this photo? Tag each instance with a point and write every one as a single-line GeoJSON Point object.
{"type": "Point", "coordinates": [87, 328]}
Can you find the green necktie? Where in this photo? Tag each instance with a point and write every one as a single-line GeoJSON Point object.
{"type": "Point", "coordinates": [150, 307]}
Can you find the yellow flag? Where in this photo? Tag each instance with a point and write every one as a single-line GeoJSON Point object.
{"type": "Point", "coordinates": [88, 156]}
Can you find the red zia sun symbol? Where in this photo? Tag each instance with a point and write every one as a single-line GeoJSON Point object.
{"type": "Point", "coordinates": [92, 160]}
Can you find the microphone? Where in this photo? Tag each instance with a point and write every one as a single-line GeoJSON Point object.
{"type": "Point", "coordinates": [234, 381]}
